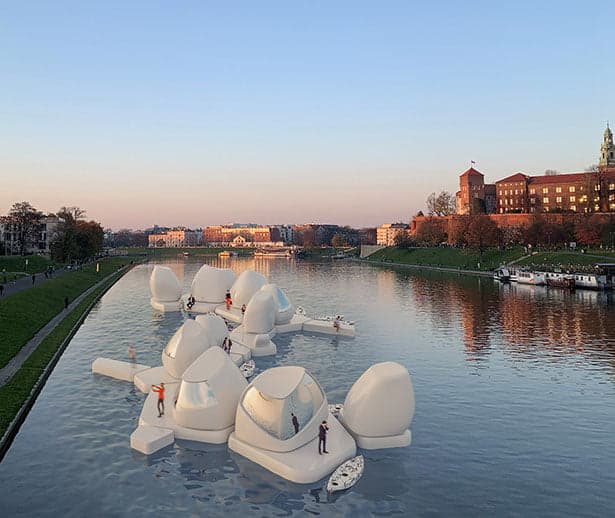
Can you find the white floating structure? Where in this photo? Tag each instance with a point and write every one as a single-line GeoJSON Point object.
{"type": "Point", "coordinates": [264, 432]}
{"type": "Point", "coordinates": [165, 288]}
{"type": "Point", "coordinates": [284, 310]}
{"type": "Point", "coordinates": [217, 332]}
{"type": "Point", "coordinates": [347, 475]}
{"type": "Point", "coordinates": [329, 326]}
{"type": "Point", "coordinates": [206, 397]}
{"type": "Point", "coordinates": [185, 346]}
{"type": "Point", "coordinates": [379, 407]}
{"type": "Point", "coordinates": [150, 439]}
{"type": "Point", "coordinates": [242, 291]}
{"type": "Point", "coordinates": [258, 325]}
{"type": "Point", "coordinates": [120, 370]}
{"type": "Point", "coordinates": [209, 288]}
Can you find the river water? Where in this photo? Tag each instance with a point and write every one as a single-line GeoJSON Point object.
{"type": "Point", "coordinates": [515, 404]}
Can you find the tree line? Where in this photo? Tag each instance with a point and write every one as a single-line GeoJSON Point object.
{"type": "Point", "coordinates": [481, 232]}
{"type": "Point", "coordinates": [73, 238]}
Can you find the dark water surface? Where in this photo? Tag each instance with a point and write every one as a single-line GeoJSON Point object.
{"type": "Point", "coordinates": [515, 404]}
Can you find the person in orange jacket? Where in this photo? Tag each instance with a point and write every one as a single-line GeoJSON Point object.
{"type": "Point", "coordinates": [160, 390]}
{"type": "Point", "coordinates": [228, 300]}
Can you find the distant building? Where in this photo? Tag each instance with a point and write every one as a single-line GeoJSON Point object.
{"type": "Point", "coordinates": [39, 242]}
{"type": "Point", "coordinates": [386, 234]}
{"type": "Point", "coordinates": [251, 235]}
{"type": "Point", "coordinates": [176, 238]}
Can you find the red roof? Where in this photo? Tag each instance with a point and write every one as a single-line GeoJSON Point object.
{"type": "Point", "coordinates": [559, 178]}
{"type": "Point", "coordinates": [517, 177]}
{"type": "Point", "coordinates": [472, 172]}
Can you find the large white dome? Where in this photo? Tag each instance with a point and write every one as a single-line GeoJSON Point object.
{"type": "Point", "coordinates": [215, 328]}
{"type": "Point", "coordinates": [185, 346]}
{"type": "Point", "coordinates": [246, 285]}
{"type": "Point", "coordinates": [284, 308]}
{"type": "Point", "coordinates": [211, 284]}
{"type": "Point", "coordinates": [164, 284]}
{"type": "Point", "coordinates": [260, 314]}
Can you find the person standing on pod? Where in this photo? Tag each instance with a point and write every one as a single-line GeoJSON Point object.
{"type": "Point", "coordinates": [322, 437]}
{"type": "Point", "coordinates": [160, 390]}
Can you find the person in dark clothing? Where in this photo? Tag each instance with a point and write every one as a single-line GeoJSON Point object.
{"type": "Point", "coordinates": [1, 289]}
{"type": "Point", "coordinates": [295, 422]}
{"type": "Point", "coordinates": [65, 302]}
{"type": "Point", "coordinates": [322, 437]}
{"type": "Point", "coordinates": [33, 279]}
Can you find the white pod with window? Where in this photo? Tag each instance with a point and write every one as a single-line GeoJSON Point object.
{"type": "Point", "coordinates": [265, 433]}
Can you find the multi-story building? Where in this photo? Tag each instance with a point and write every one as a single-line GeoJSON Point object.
{"type": "Point", "coordinates": [176, 238]}
{"type": "Point", "coordinates": [386, 234]}
{"type": "Point", "coordinates": [251, 235]}
{"type": "Point", "coordinates": [37, 243]}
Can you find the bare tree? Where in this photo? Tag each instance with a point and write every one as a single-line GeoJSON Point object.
{"type": "Point", "coordinates": [551, 172]}
{"type": "Point", "coordinates": [442, 204]}
{"type": "Point", "coordinates": [23, 220]}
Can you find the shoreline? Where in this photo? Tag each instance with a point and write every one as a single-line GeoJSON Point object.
{"type": "Point", "coordinates": [35, 389]}
{"type": "Point", "coordinates": [446, 269]}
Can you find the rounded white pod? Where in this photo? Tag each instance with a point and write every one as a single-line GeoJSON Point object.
{"type": "Point", "coordinates": [284, 308]}
{"type": "Point", "coordinates": [215, 328]}
{"type": "Point", "coordinates": [211, 284]}
{"type": "Point", "coordinates": [209, 392]}
{"type": "Point", "coordinates": [260, 314]}
{"type": "Point", "coordinates": [246, 285]}
{"type": "Point", "coordinates": [185, 346]}
{"type": "Point", "coordinates": [164, 285]}
{"type": "Point", "coordinates": [380, 403]}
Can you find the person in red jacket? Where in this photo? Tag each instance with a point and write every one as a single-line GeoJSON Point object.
{"type": "Point", "coordinates": [228, 300]}
{"type": "Point", "coordinates": [160, 390]}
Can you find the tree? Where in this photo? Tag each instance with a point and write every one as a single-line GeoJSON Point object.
{"type": "Point", "coordinates": [442, 204]}
{"type": "Point", "coordinates": [482, 233]}
{"type": "Point", "coordinates": [23, 220]}
{"type": "Point", "coordinates": [403, 240]}
{"type": "Point", "coordinates": [75, 238]}
{"type": "Point", "coordinates": [431, 232]}
{"type": "Point", "coordinates": [589, 230]}
{"type": "Point", "coordinates": [543, 232]}
{"type": "Point", "coordinates": [551, 172]}
{"type": "Point", "coordinates": [479, 206]}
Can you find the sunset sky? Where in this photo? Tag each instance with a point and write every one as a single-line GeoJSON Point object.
{"type": "Point", "coordinates": [200, 113]}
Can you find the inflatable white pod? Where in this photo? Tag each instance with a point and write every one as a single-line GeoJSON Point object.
{"type": "Point", "coordinates": [379, 407]}
{"type": "Point", "coordinates": [165, 288]}
{"type": "Point", "coordinates": [215, 328]}
{"type": "Point", "coordinates": [209, 393]}
{"type": "Point", "coordinates": [209, 287]}
{"type": "Point", "coordinates": [284, 308]}
{"type": "Point", "coordinates": [246, 285]}
{"type": "Point", "coordinates": [264, 430]}
{"type": "Point", "coordinates": [185, 346]}
{"type": "Point", "coordinates": [258, 325]}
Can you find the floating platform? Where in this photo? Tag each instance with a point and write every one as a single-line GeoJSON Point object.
{"type": "Point", "coordinates": [232, 315]}
{"type": "Point", "coordinates": [144, 379]}
{"type": "Point", "coordinates": [117, 369]}
{"type": "Point", "coordinates": [294, 326]}
{"type": "Point", "coordinates": [166, 307]}
{"type": "Point", "coordinates": [327, 327]}
{"type": "Point", "coordinates": [201, 307]}
{"type": "Point", "coordinates": [150, 439]}
{"type": "Point", "coordinates": [149, 418]}
{"type": "Point", "coordinates": [303, 465]}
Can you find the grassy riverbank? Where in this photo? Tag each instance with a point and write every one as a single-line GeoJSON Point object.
{"type": "Point", "coordinates": [566, 260]}
{"type": "Point", "coordinates": [447, 257]}
{"type": "Point", "coordinates": [15, 266]}
{"type": "Point", "coordinates": [16, 391]}
{"type": "Point", "coordinates": [23, 314]}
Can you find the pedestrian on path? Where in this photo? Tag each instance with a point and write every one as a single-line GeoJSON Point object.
{"type": "Point", "coordinates": [1, 289]}
{"type": "Point", "coordinates": [160, 390]}
{"type": "Point", "coordinates": [33, 279]}
{"type": "Point", "coordinates": [65, 302]}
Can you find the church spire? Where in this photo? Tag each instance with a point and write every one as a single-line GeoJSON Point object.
{"type": "Point", "coordinates": [607, 149]}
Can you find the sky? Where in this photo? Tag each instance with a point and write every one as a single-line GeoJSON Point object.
{"type": "Point", "coordinates": [198, 113]}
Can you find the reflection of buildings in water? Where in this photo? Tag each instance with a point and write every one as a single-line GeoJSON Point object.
{"type": "Point", "coordinates": [536, 320]}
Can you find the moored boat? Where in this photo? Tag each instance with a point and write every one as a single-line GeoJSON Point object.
{"type": "Point", "coordinates": [502, 275]}
{"type": "Point", "coordinates": [559, 280]}
{"type": "Point", "coordinates": [532, 278]}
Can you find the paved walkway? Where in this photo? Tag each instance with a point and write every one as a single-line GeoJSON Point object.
{"type": "Point", "coordinates": [23, 283]}
{"type": "Point", "coordinates": [9, 370]}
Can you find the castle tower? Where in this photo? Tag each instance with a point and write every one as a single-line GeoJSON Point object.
{"type": "Point", "coordinates": [607, 149]}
